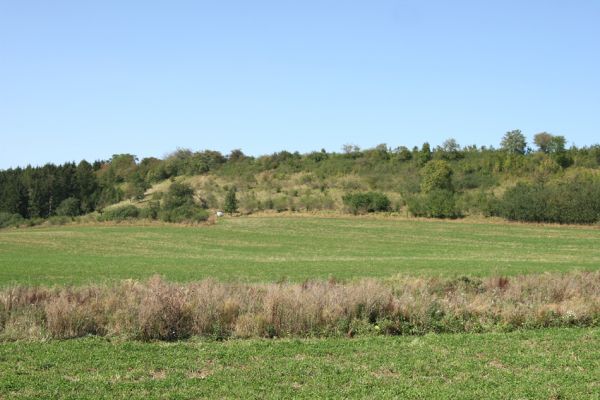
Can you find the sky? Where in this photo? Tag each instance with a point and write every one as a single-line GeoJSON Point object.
{"type": "Point", "coordinates": [82, 79]}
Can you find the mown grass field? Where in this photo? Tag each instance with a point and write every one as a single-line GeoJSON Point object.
{"type": "Point", "coordinates": [533, 364]}
{"type": "Point", "coordinates": [271, 248]}
{"type": "Point", "coordinates": [543, 364]}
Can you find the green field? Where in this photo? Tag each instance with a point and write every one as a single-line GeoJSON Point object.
{"type": "Point", "coordinates": [545, 364]}
{"type": "Point", "coordinates": [296, 248]}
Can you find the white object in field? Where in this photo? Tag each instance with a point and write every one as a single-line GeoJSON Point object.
{"type": "Point", "coordinates": [220, 213]}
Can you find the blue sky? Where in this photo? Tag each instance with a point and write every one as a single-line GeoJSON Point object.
{"type": "Point", "coordinates": [89, 79]}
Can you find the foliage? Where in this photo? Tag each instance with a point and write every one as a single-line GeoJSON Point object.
{"type": "Point", "coordinates": [69, 207]}
{"type": "Point", "coordinates": [513, 142]}
{"type": "Point", "coordinates": [574, 201]}
{"type": "Point", "coordinates": [120, 213]}
{"type": "Point", "coordinates": [437, 203]}
{"type": "Point", "coordinates": [184, 213]}
{"type": "Point", "coordinates": [267, 182]}
{"type": "Point", "coordinates": [178, 205]}
{"type": "Point", "coordinates": [359, 203]}
{"type": "Point", "coordinates": [8, 219]}
{"type": "Point", "coordinates": [437, 175]}
{"type": "Point", "coordinates": [231, 204]}
{"type": "Point", "coordinates": [159, 310]}
{"type": "Point", "coordinates": [425, 154]}
{"type": "Point", "coordinates": [136, 187]}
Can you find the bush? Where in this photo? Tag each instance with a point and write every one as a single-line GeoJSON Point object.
{"type": "Point", "coordinates": [435, 204]}
{"type": "Point", "coordinates": [59, 220]}
{"type": "Point", "coordinates": [120, 213]}
{"type": "Point", "coordinates": [231, 203]}
{"type": "Point", "coordinates": [69, 207]}
{"type": "Point", "coordinates": [179, 206]}
{"type": "Point", "coordinates": [437, 175]}
{"type": "Point", "coordinates": [576, 200]}
{"type": "Point", "coordinates": [151, 211]}
{"type": "Point", "coordinates": [8, 219]}
{"type": "Point", "coordinates": [360, 203]}
{"type": "Point", "coordinates": [179, 194]}
{"type": "Point", "coordinates": [185, 213]}
{"type": "Point", "coordinates": [159, 310]}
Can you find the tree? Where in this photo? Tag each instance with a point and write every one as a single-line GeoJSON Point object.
{"type": "Point", "coordinates": [450, 146]}
{"type": "Point", "coordinates": [69, 207]}
{"type": "Point", "coordinates": [350, 149]}
{"type": "Point", "coordinates": [403, 153]}
{"type": "Point", "coordinates": [542, 140]}
{"type": "Point", "coordinates": [236, 155]}
{"type": "Point", "coordinates": [231, 204]}
{"type": "Point", "coordinates": [123, 165]}
{"type": "Point", "coordinates": [179, 194]}
{"type": "Point", "coordinates": [450, 150]}
{"type": "Point", "coordinates": [557, 145]}
{"type": "Point", "coordinates": [87, 185]}
{"type": "Point", "coordinates": [514, 142]}
{"type": "Point", "coordinates": [425, 154]}
{"type": "Point", "coordinates": [437, 175]}
{"type": "Point", "coordinates": [358, 203]}
{"type": "Point", "coordinates": [136, 187]}
{"type": "Point", "coordinates": [179, 205]}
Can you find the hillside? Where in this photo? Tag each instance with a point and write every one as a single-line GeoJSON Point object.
{"type": "Point", "coordinates": [550, 184]}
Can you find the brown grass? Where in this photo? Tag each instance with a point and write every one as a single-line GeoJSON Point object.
{"type": "Point", "coordinates": [160, 310]}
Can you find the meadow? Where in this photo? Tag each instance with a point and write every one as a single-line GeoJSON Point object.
{"type": "Point", "coordinates": [269, 248]}
{"type": "Point", "coordinates": [540, 364]}
{"type": "Point", "coordinates": [523, 309]}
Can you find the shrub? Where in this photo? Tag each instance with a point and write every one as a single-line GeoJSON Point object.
{"type": "Point", "coordinates": [524, 202]}
{"type": "Point", "coordinates": [231, 203]}
{"type": "Point", "coordinates": [576, 200]}
{"type": "Point", "coordinates": [8, 219]}
{"type": "Point", "coordinates": [151, 211]}
{"type": "Point", "coordinates": [71, 315]}
{"type": "Point", "coordinates": [69, 207]}
{"type": "Point", "coordinates": [358, 203]}
{"type": "Point", "coordinates": [437, 175]}
{"type": "Point", "coordinates": [179, 194]}
{"type": "Point", "coordinates": [178, 205]}
{"type": "Point", "coordinates": [121, 213]}
{"type": "Point", "coordinates": [434, 204]}
{"type": "Point", "coordinates": [279, 203]}
{"type": "Point", "coordinates": [159, 310]}
{"type": "Point", "coordinates": [184, 213]}
{"type": "Point", "coordinates": [163, 312]}
{"type": "Point", "coordinates": [59, 220]}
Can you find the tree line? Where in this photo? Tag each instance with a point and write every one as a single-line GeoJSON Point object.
{"type": "Point", "coordinates": [548, 182]}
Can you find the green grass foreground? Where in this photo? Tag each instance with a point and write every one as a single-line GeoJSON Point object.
{"type": "Point", "coordinates": [541, 364]}
{"type": "Point", "coordinates": [269, 248]}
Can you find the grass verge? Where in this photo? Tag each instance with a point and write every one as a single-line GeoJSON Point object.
{"type": "Point", "coordinates": [157, 309]}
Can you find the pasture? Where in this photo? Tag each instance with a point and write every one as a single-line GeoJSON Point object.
{"type": "Point", "coordinates": [538, 364]}
{"type": "Point", "coordinates": [268, 249]}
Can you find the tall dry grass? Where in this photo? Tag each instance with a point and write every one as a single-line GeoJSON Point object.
{"type": "Point", "coordinates": [160, 310]}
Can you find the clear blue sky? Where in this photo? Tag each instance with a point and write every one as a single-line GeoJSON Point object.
{"type": "Point", "coordinates": [82, 79]}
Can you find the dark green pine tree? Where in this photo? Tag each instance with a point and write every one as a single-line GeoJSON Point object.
{"type": "Point", "coordinates": [230, 201]}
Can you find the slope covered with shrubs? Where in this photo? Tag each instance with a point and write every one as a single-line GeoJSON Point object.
{"type": "Point", "coordinates": [550, 184]}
